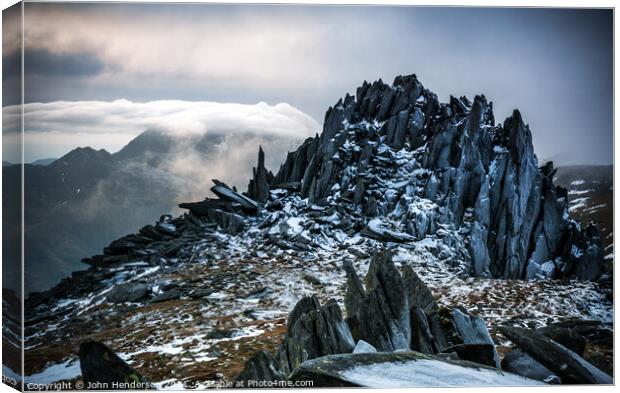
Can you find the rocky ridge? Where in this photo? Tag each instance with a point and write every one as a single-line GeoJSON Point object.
{"type": "Point", "coordinates": [457, 199]}
{"type": "Point", "coordinates": [479, 176]}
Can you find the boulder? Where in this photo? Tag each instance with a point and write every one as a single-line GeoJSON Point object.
{"type": "Point", "coordinates": [224, 192]}
{"type": "Point", "coordinates": [421, 336]}
{"type": "Point", "coordinates": [261, 367]}
{"type": "Point", "coordinates": [477, 353]}
{"type": "Point", "coordinates": [228, 222]}
{"type": "Point", "coordinates": [565, 336]}
{"type": "Point", "coordinates": [518, 362]}
{"type": "Point", "coordinates": [166, 227]}
{"type": "Point", "coordinates": [378, 315]}
{"type": "Point", "coordinates": [172, 294]}
{"type": "Point", "coordinates": [363, 347]}
{"type": "Point", "coordinates": [593, 340]}
{"type": "Point", "coordinates": [128, 292]}
{"type": "Point", "coordinates": [121, 246]}
{"type": "Point", "coordinates": [294, 186]}
{"type": "Point", "coordinates": [100, 365]}
{"type": "Point", "coordinates": [313, 331]}
{"type": "Point", "coordinates": [218, 334]}
{"type": "Point", "coordinates": [418, 294]}
{"type": "Point", "coordinates": [566, 364]}
{"type": "Point", "coordinates": [402, 370]}
{"type": "Point", "coordinates": [204, 207]}
{"type": "Point", "coordinates": [376, 230]}
{"type": "Point", "coordinates": [453, 327]}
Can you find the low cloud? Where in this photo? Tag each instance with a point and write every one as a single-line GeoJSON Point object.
{"type": "Point", "coordinates": [52, 129]}
{"type": "Point", "coordinates": [211, 140]}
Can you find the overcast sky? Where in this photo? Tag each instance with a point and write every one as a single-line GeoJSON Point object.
{"type": "Point", "coordinates": [554, 65]}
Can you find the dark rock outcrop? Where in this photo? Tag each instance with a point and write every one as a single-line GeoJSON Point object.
{"type": "Point", "coordinates": [481, 353]}
{"type": "Point", "coordinates": [519, 362]}
{"type": "Point", "coordinates": [129, 292]}
{"type": "Point", "coordinates": [226, 193]}
{"type": "Point", "coordinates": [204, 207]}
{"type": "Point", "coordinates": [229, 222]}
{"type": "Point", "coordinates": [313, 331]}
{"type": "Point", "coordinates": [378, 314]}
{"type": "Point", "coordinates": [258, 189]}
{"type": "Point", "coordinates": [584, 252]}
{"type": "Point", "coordinates": [455, 166]}
{"type": "Point", "coordinates": [570, 367]}
{"type": "Point", "coordinates": [421, 335]}
{"type": "Point", "coordinates": [230, 211]}
{"type": "Point", "coordinates": [261, 367]}
{"type": "Point", "coordinates": [591, 340]}
{"type": "Point", "coordinates": [395, 312]}
{"type": "Point", "coordinates": [482, 176]}
{"type": "Point", "coordinates": [451, 328]}
{"type": "Point", "coordinates": [565, 336]}
{"type": "Point", "coordinates": [100, 365]}
{"type": "Point", "coordinates": [418, 294]}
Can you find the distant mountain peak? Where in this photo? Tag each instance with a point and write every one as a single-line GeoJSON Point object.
{"type": "Point", "coordinates": [149, 141]}
{"type": "Point", "coordinates": [43, 161]}
{"type": "Point", "coordinates": [82, 154]}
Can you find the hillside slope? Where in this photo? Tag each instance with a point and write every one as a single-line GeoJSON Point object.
{"type": "Point", "coordinates": [591, 198]}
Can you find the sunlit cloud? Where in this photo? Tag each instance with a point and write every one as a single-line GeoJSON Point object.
{"type": "Point", "coordinates": [252, 50]}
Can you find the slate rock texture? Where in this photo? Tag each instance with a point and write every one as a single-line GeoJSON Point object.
{"type": "Point", "coordinates": [478, 170]}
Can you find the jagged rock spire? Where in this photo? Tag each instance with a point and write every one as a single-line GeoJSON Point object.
{"type": "Point", "coordinates": [483, 177]}
{"type": "Point", "coordinates": [258, 189]}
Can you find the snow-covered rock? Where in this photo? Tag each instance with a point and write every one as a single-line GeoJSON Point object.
{"type": "Point", "coordinates": [403, 370]}
{"type": "Point", "coordinates": [363, 347]}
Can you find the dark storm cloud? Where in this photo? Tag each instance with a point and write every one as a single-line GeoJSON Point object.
{"type": "Point", "coordinates": [11, 65]}
{"type": "Point", "coordinates": [555, 65]}
{"type": "Point", "coordinates": [43, 62]}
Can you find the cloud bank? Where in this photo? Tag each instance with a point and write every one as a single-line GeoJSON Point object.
{"type": "Point", "coordinates": [53, 129]}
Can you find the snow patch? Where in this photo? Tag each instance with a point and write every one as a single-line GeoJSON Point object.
{"type": "Point", "coordinates": [579, 192]}
{"type": "Point", "coordinates": [57, 372]}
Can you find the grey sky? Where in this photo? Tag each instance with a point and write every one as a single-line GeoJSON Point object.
{"type": "Point", "coordinates": [554, 65]}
